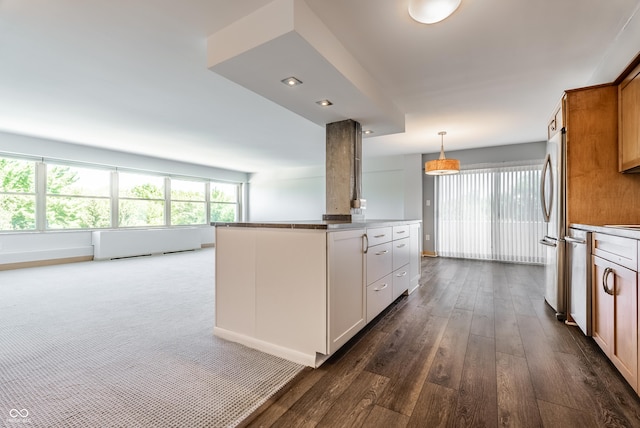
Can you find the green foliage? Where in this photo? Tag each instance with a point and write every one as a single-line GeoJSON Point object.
{"type": "Point", "coordinates": [223, 212]}
{"type": "Point", "coordinates": [17, 212]}
{"type": "Point", "coordinates": [60, 180]}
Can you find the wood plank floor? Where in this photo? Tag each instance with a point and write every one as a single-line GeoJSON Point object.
{"type": "Point", "coordinates": [474, 346]}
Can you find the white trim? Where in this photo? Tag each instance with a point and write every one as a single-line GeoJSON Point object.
{"type": "Point", "coordinates": [311, 360]}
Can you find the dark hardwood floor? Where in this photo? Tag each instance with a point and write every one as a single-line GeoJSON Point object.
{"type": "Point", "coordinates": [474, 346]}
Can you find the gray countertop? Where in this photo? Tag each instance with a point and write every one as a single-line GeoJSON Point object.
{"type": "Point", "coordinates": [625, 232]}
{"type": "Point", "coordinates": [318, 224]}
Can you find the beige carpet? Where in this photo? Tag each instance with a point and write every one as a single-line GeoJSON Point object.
{"type": "Point", "coordinates": [125, 343]}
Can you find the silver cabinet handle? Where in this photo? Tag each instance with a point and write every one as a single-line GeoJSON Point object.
{"type": "Point", "coordinates": [380, 253]}
{"type": "Point", "coordinates": [381, 288]}
{"type": "Point", "coordinates": [400, 275]}
{"type": "Point", "coordinates": [366, 247]}
{"type": "Point", "coordinates": [605, 275]}
{"type": "Point", "coordinates": [401, 231]}
{"type": "Point", "coordinates": [380, 236]}
{"type": "Point", "coordinates": [401, 245]}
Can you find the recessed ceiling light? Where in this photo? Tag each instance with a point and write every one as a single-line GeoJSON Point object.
{"type": "Point", "coordinates": [291, 81]}
{"type": "Point", "coordinates": [324, 103]}
{"type": "Point", "coordinates": [367, 132]}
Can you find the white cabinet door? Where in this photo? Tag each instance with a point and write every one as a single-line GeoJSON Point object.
{"type": "Point", "coordinates": [346, 291]}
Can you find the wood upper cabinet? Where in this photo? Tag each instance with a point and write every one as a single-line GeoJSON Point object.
{"type": "Point", "coordinates": [629, 123]}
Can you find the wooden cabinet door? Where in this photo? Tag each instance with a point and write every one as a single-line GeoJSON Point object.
{"type": "Point", "coordinates": [602, 306]}
{"type": "Point", "coordinates": [615, 316]}
{"type": "Point", "coordinates": [629, 122]}
{"type": "Point", "coordinates": [625, 328]}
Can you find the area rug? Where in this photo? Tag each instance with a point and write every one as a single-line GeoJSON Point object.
{"type": "Point", "coordinates": [125, 343]}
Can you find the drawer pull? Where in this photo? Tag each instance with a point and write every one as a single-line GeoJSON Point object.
{"type": "Point", "coordinates": [401, 231]}
{"type": "Point", "coordinates": [400, 275]}
{"type": "Point", "coordinates": [401, 245]}
{"type": "Point", "coordinates": [381, 288]}
{"type": "Point", "coordinates": [380, 253]}
{"type": "Point", "coordinates": [605, 275]}
{"type": "Point", "coordinates": [380, 236]}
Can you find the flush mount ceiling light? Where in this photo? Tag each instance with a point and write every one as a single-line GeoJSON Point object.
{"type": "Point", "coordinates": [367, 132]}
{"type": "Point", "coordinates": [324, 103]}
{"type": "Point", "coordinates": [291, 81]}
{"type": "Point", "coordinates": [442, 166]}
{"type": "Point", "coordinates": [432, 11]}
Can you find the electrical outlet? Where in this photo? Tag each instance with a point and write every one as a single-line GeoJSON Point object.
{"type": "Point", "coordinates": [428, 202]}
{"type": "Point", "coordinates": [427, 237]}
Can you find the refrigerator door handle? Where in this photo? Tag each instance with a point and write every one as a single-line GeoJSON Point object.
{"type": "Point", "coordinates": [548, 241]}
{"type": "Point", "coordinates": [546, 210]}
{"type": "Point", "coordinates": [574, 240]}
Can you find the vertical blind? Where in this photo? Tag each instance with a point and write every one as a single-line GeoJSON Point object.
{"type": "Point", "coordinates": [491, 214]}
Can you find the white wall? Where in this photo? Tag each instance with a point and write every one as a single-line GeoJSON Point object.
{"type": "Point", "coordinates": [391, 185]}
{"type": "Point", "coordinates": [51, 245]}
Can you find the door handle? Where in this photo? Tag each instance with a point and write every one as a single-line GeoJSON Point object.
{"type": "Point", "coordinates": [545, 241]}
{"type": "Point", "coordinates": [546, 210]}
{"type": "Point", "coordinates": [574, 240]}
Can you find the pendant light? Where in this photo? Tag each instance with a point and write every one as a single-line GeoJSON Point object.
{"type": "Point", "coordinates": [432, 11]}
{"type": "Point", "coordinates": [442, 166]}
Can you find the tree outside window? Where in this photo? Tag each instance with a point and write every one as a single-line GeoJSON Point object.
{"type": "Point", "coordinates": [17, 194]}
{"type": "Point", "coordinates": [77, 198]}
{"type": "Point", "coordinates": [224, 202]}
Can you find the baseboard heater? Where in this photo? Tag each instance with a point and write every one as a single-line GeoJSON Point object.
{"type": "Point", "coordinates": [114, 244]}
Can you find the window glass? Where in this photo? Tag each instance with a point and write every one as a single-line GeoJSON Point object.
{"type": "Point", "coordinates": [141, 200]}
{"type": "Point", "coordinates": [72, 180]}
{"type": "Point", "coordinates": [136, 213]}
{"type": "Point", "coordinates": [224, 202]}
{"type": "Point", "coordinates": [187, 190]}
{"type": "Point", "coordinates": [140, 186]}
{"type": "Point", "coordinates": [224, 192]}
{"type": "Point", "coordinates": [78, 198]}
{"type": "Point", "coordinates": [17, 194]}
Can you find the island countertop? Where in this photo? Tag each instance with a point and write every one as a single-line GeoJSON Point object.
{"type": "Point", "coordinates": [317, 224]}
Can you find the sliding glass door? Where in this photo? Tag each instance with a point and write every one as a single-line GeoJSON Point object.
{"type": "Point", "coordinates": [491, 214]}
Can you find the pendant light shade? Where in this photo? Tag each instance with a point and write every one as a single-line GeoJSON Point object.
{"type": "Point", "coordinates": [432, 11]}
{"type": "Point", "coordinates": [442, 166]}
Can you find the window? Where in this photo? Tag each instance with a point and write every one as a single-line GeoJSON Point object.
{"type": "Point", "coordinates": [57, 195]}
{"type": "Point", "coordinates": [188, 202]}
{"type": "Point", "coordinates": [77, 198]}
{"type": "Point", "coordinates": [491, 213]}
{"type": "Point", "coordinates": [17, 194]}
{"type": "Point", "coordinates": [141, 200]}
{"type": "Point", "coordinates": [224, 202]}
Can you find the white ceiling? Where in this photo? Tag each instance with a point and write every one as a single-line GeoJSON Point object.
{"type": "Point", "coordinates": [132, 75]}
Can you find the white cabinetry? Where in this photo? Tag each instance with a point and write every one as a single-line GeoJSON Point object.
{"type": "Point", "coordinates": [301, 293]}
{"type": "Point", "coordinates": [379, 269]}
{"type": "Point", "coordinates": [347, 298]}
{"type": "Point", "coordinates": [393, 265]}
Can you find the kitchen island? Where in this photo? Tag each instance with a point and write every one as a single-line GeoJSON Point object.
{"type": "Point", "coordinates": [301, 290]}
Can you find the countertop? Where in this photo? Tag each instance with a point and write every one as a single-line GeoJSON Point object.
{"type": "Point", "coordinates": [318, 224]}
{"type": "Point", "coordinates": [625, 232]}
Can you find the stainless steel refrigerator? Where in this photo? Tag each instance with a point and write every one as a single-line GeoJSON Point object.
{"type": "Point", "coordinates": [552, 199]}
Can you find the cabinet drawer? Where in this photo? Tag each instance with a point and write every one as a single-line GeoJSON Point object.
{"type": "Point", "coordinates": [400, 232]}
{"type": "Point", "coordinates": [623, 251]}
{"type": "Point", "coordinates": [379, 261]}
{"type": "Point", "coordinates": [379, 296]}
{"type": "Point", "coordinates": [379, 235]}
{"type": "Point", "coordinates": [401, 252]}
{"type": "Point", "coordinates": [401, 280]}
